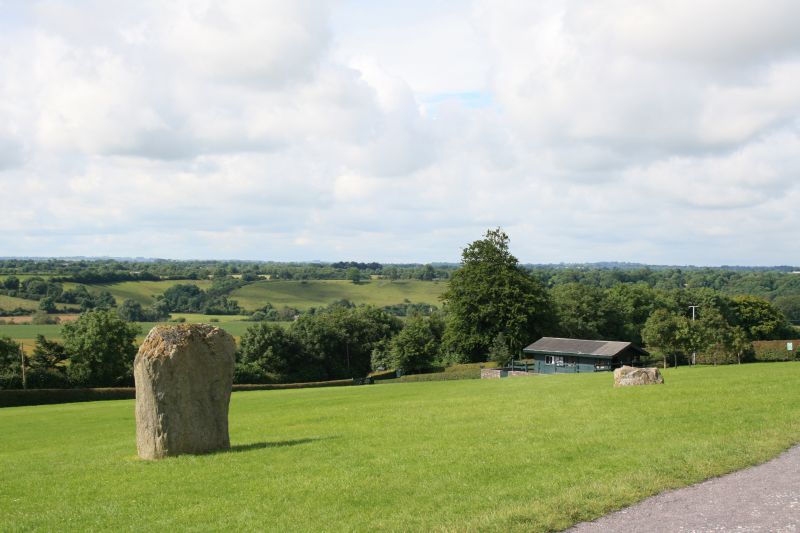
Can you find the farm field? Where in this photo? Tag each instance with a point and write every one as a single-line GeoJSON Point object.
{"type": "Point", "coordinates": [26, 333]}
{"type": "Point", "coordinates": [11, 302]}
{"type": "Point", "coordinates": [298, 294]}
{"type": "Point", "coordinates": [303, 295]}
{"type": "Point", "coordinates": [144, 292]}
{"type": "Point", "coordinates": [523, 454]}
{"type": "Point", "coordinates": [28, 319]}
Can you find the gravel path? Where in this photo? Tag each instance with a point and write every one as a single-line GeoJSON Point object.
{"type": "Point", "coordinates": [764, 498]}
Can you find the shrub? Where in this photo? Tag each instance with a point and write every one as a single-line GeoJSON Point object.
{"type": "Point", "coordinates": [42, 318]}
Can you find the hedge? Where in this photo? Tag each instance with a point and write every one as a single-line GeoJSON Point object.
{"type": "Point", "coordinates": [18, 397]}
{"type": "Point", "coordinates": [15, 397]}
{"type": "Point", "coordinates": [436, 376]}
{"type": "Point", "coordinates": [775, 350]}
{"type": "Point", "coordinates": [307, 385]}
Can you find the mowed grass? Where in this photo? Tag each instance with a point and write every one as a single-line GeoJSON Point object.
{"type": "Point", "coordinates": [317, 293]}
{"type": "Point", "coordinates": [522, 454]}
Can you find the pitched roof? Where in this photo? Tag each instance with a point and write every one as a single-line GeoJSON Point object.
{"type": "Point", "coordinates": [554, 345]}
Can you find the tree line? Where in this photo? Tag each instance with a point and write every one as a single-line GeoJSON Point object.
{"type": "Point", "coordinates": [492, 308]}
{"type": "Point", "coordinates": [98, 271]}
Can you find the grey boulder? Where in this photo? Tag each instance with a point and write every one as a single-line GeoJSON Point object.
{"type": "Point", "coordinates": [628, 376]}
{"type": "Point", "coordinates": [184, 376]}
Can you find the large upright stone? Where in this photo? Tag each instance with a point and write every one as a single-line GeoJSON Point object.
{"type": "Point", "coordinates": [183, 379]}
{"type": "Point", "coordinates": [628, 375]}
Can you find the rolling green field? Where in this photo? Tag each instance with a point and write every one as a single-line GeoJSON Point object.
{"type": "Point", "coordinates": [303, 295]}
{"type": "Point", "coordinates": [522, 454]}
{"type": "Point", "coordinates": [26, 333]}
{"type": "Point", "coordinates": [144, 292]}
{"type": "Point", "coordinates": [298, 294]}
{"type": "Point", "coordinates": [10, 302]}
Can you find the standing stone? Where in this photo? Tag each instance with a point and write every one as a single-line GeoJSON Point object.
{"type": "Point", "coordinates": [628, 375]}
{"type": "Point", "coordinates": [183, 379]}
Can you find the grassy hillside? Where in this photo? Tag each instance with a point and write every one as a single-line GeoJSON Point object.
{"type": "Point", "coordinates": [9, 302]}
{"type": "Point", "coordinates": [303, 295]}
{"type": "Point", "coordinates": [523, 454]}
{"type": "Point", "coordinates": [298, 294]}
{"type": "Point", "coordinates": [143, 292]}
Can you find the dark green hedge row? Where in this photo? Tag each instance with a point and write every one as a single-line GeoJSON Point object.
{"type": "Point", "coordinates": [18, 397]}
{"type": "Point", "coordinates": [15, 397]}
{"type": "Point", "coordinates": [307, 385]}
{"type": "Point", "coordinates": [436, 376]}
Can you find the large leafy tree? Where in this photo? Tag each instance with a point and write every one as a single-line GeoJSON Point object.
{"type": "Point", "coordinates": [340, 340]}
{"type": "Point", "coordinates": [584, 312]}
{"type": "Point", "coordinates": [789, 305]}
{"type": "Point", "coordinates": [269, 353]}
{"type": "Point", "coordinates": [633, 303]}
{"type": "Point", "coordinates": [101, 348]}
{"type": "Point", "coordinates": [760, 319]}
{"type": "Point", "coordinates": [492, 294]}
{"type": "Point", "coordinates": [416, 347]}
{"type": "Point", "coordinates": [666, 333]}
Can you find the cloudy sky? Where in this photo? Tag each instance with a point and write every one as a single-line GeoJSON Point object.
{"type": "Point", "coordinates": [661, 132]}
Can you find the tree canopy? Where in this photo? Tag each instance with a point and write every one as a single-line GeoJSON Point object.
{"type": "Point", "coordinates": [492, 294]}
{"type": "Point", "coordinates": [101, 347]}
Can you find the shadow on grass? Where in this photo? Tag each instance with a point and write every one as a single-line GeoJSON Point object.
{"type": "Point", "coordinates": [238, 448]}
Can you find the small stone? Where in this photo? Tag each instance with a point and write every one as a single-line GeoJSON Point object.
{"type": "Point", "coordinates": [184, 376]}
{"type": "Point", "coordinates": [628, 376]}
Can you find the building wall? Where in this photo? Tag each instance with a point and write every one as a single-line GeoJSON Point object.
{"type": "Point", "coordinates": [582, 365]}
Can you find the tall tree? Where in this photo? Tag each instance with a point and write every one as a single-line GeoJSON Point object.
{"type": "Point", "coordinates": [664, 331]}
{"type": "Point", "coordinates": [47, 368]}
{"type": "Point", "coordinates": [10, 364]}
{"type": "Point", "coordinates": [492, 294]}
{"type": "Point", "coordinates": [270, 353]}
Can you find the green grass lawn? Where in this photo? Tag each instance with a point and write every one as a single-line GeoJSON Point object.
{"type": "Point", "coordinates": [303, 295]}
{"type": "Point", "coordinates": [522, 454]}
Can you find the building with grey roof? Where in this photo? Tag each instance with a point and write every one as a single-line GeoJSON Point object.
{"type": "Point", "coordinates": [552, 355]}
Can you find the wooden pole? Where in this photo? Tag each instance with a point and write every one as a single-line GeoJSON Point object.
{"type": "Point", "coordinates": [22, 365]}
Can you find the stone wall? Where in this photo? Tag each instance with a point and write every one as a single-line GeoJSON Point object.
{"type": "Point", "coordinates": [497, 373]}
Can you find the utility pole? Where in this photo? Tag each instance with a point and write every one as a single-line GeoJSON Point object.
{"type": "Point", "coordinates": [694, 354]}
{"type": "Point", "coordinates": [22, 365]}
